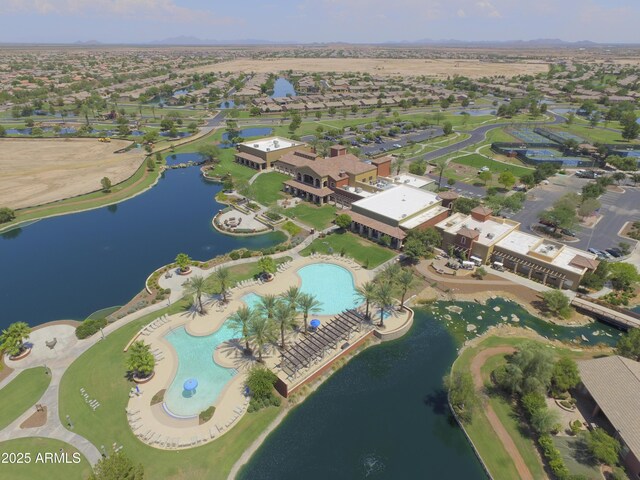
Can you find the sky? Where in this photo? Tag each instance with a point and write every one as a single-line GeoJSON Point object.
{"type": "Point", "coordinates": [325, 21]}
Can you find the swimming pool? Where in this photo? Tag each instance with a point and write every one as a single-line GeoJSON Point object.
{"type": "Point", "coordinates": [195, 360]}
{"type": "Point", "coordinates": [332, 285]}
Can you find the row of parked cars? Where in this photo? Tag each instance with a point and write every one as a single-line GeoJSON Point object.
{"type": "Point", "coordinates": [608, 254]}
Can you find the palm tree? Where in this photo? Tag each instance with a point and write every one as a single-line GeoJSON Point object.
{"type": "Point", "coordinates": [367, 293]}
{"type": "Point", "coordinates": [285, 319]}
{"type": "Point", "coordinates": [404, 280]}
{"type": "Point", "coordinates": [307, 303]}
{"type": "Point", "coordinates": [223, 276]}
{"type": "Point", "coordinates": [12, 339]}
{"type": "Point", "coordinates": [262, 330]}
{"type": "Point", "coordinates": [241, 322]}
{"type": "Point", "coordinates": [390, 273]}
{"type": "Point", "coordinates": [141, 361]}
{"type": "Point", "coordinates": [291, 297]}
{"type": "Point", "coordinates": [195, 286]}
{"type": "Point", "coordinates": [441, 165]}
{"type": "Point", "coordinates": [268, 305]}
{"type": "Point", "coordinates": [384, 297]}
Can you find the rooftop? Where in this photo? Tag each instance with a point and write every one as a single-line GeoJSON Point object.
{"type": "Point", "coordinates": [399, 202]}
{"type": "Point", "coordinates": [614, 383]}
{"type": "Point", "coordinates": [489, 231]}
{"type": "Point", "coordinates": [271, 144]}
{"type": "Point", "coordinates": [556, 254]}
{"type": "Point", "coordinates": [412, 180]}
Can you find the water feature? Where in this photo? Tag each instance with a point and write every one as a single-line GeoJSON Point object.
{"type": "Point", "coordinates": [178, 134]}
{"type": "Point", "coordinates": [195, 361]}
{"type": "Point", "coordinates": [282, 88]}
{"type": "Point", "coordinates": [178, 158]}
{"type": "Point", "coordinates": [384, 415]}
{"type": "Point", "coordinates": [70, 266]}
{"type": "Point", "coordinates": [229, 103]}
{"type": "Point", "coordinates": [478, 112]}
{"type": "Point", "coordinates": [246, 133]}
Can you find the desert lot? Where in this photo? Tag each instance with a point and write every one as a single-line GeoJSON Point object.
{"type": "Point", "coordinates": [381, 66]}
{"type": "Point", "coordinates": [33, 172]}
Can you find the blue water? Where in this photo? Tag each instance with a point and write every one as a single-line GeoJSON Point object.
{"type": "Point", "coordinates": [282, 88]}
{"type": "Point", "coordinates": [178, 134]}
{"type": "Point", "coordinates": [70, 266]}
{"type": "Point", "coordinates": [195, 360]}
{"type": "Point", "coordinates": [229, 104]}
{"type": "Point", "coordinates": [178, 158]}
{"type": "Point", "coordinates": [332, 286]}
{"type": "Point", "coordinates": [246, 133]}
{"type": "Point", "coordinates": [479, 112]}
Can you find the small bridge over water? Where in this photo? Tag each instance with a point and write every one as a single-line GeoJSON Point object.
{"type": "Point", "coordinates": [618, 317]}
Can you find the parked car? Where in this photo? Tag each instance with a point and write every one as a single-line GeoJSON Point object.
{"type": "Point", "coordinates": [568, 233]}
{"type": "Point", "coordinates": [593, 250]}
{"type": "Point", "coordinates": [614, 252]}
{"type": "Point", "coordinates": [483, 169]}
{"type": "Point", "coordinates": [605, 254]}
{"type": "Point", "coordinates": [397, 145]}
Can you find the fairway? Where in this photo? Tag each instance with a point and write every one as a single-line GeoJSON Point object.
{"type": "Point", "coordinates": [38, 171]}
{"type": "Point", "coordinates": [478, 161]}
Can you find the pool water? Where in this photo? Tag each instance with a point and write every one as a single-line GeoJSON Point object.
{"type": "Point", "coordinates": [195, 360]}
{"type": "Point", "coordinates": [331, 284]}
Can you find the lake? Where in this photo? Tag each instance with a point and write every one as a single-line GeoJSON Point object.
{"type": "Point", "coordinates": [70, 266]}
{"type": "Point", "coordinates": [282, 88]}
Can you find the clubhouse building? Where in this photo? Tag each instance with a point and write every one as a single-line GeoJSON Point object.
{"type": "Point", "coordinates": [260, 154]}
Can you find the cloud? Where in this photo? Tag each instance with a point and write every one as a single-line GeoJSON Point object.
{"type": "Point", "coordinates": [158, 10]}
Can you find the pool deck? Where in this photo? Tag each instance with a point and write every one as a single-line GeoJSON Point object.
{"type": "Point", "coordinates": [152, 424]}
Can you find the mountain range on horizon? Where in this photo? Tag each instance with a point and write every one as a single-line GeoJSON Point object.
{"type": "Point", "coordinates": [186, 40]}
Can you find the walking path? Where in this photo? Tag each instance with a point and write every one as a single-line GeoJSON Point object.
{"type": "Point", "coordinates": [476, 365]}
{"type": "Point", "coordinates": [58, 360]}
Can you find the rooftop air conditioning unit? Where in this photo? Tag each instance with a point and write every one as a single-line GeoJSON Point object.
{"type": "Point", "coordinates": [408, 180]}
{"type": "Point", "coordinates": [256, 145]}
{"type": "Point", "coordinates": [490, 235]}
{"type": "Point", "coordinates": [268, 149]}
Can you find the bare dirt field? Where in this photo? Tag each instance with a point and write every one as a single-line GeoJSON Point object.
{"type": "Point", "coordinates": [382, 66]}
{"type": "Point", "coordinates": [33, 172]}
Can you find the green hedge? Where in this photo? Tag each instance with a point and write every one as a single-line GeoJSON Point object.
{"type": "Point", "coordinates": [90, 327]}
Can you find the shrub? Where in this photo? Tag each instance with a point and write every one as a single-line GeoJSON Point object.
{"type": "Point", "coordinates": [90, 327]}
{"type": "Point", "coordinates": [247, 254]}
{"type": "Point", "coordinates": [6, 215]}
{"type": "Point", "coordinates": [206, 415]}
{"type": "Point", "coordinates": [575, 427]}
{"type": "Point", "coordinates": [234, 255]}
{"type": "Point", "coordinates": [260, 383]}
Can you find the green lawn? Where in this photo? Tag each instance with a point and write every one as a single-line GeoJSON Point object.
{"type": "Point", "coordinates": [36, 468]}
{"type": "Point", "coordinates": [100, 371]}
{"type": "Point", "coordinates": [592, 134]}
{"type": "Point", "coordinates": [493, 453]}
{"type": "Point", "coordinates": [22, 393]}
{"type": "Point", "coordinates": [238, 273]}
{"type": "Point", "coordinates": [313, 215]}
{"type": "Point", "coordinates": [358, 248]}
{"type": "Point", "coordinates": [477, 161]}
{"type": "Point", "coordinates": [268, 187]}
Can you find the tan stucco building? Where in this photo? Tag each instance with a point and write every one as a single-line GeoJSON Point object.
{"type": "Point", "coordinates": [261, 154]}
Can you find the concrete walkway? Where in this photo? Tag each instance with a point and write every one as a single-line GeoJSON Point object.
{"type": "Point", "coordinates": [58, 361]}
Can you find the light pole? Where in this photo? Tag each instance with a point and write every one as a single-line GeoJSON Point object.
{"type": "Point", "coordinates": [69, 422]}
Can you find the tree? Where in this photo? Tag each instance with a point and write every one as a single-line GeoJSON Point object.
{"type": "Point", "coordinates": [384, 297]}
{"type": "Point", "coordinates": [441, 164]}
{"type": "Point", "coordinates": [543, 420]}
{"type": "Point", "coordinates": [404, 280]}
{"type": "Point", "coordinates": [285, 318]}
{"type": "Point", "coordinates": [485, 176]}
{"type": "Point", "coordinates": [183, 260]}
{"type": "Point", "coordinates": [462, 394]}
{"type": "Point", "coordinates": [528, 370]}
{"type": "Point", "coordinates": [465, 205]}
{"type": "Point", "coordinates": [141, 361]}
{"type": "Point", "coordinates": [588, 207]}
{"type": "Point", "coordinates": [267, 265]}
{"type": "Point", "coordinates": [629, 345]}
{"type": "Point", "coordinates": [3, 131]}
{"type": "Point", "coordinates": [307, 304]}
{"type": "Point", "coordinates": [13, 337]}
{"type": "Point", "coordinates": [223, 276]}
{"type": "Point", "coordinates": [151, 164]}
{"type": "Point", "coordinates": [6, 214]}
{"type": "Point", "coordinates": [507, 179]}
{"type": "Point", "coordinates": [451, 181]}
{"type": "Point", "coordinates": [602, 446]}
{"type": "Point", "coordinates": [240, 321]}
{"type": "Point", "coordinates": [343, 221]}
{"type": "Point", "coordinates": [117, 466]}
{"type": "Point", "coordinates": [414, 249]}
{"type": "Point", "coordinates": [618, 177]}
{"type": "Point", "coordinates": [557, 303]}
{"type": "Point", "coordinates": [367, 294]}
{"type": "Point", "coordinates": [209, 152]}
{"type": "Point", "coordinates": [262, 331]}
{"type": "Point", "coordinates": [630, 129]}
{"type": "Point", "coordinates": [447, 128]}
{"type": "Point", "coordinates": [560, 216]}
{"type": "Point", "coordinates": [291, 297]}
{"type": "Point", "coordinates": [398, 164]}
{"type": "Point", "coordinates": [106, 184]}
{"type": "Point", "coordinates": [438, 117]}
{"type": "Point", "coordinates": [418, 167]}
{"type": "Point", "coordinates": [623, 276]}
{"type": "Point", "coordinates": [565, 375]}
{"type": "Point", "coordinates": [528, 180]}
{"type": "Point", "coordinates": [196, 286]}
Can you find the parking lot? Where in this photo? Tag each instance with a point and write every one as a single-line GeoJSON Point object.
{"type": "Point", "coordinates": [616, 210]}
